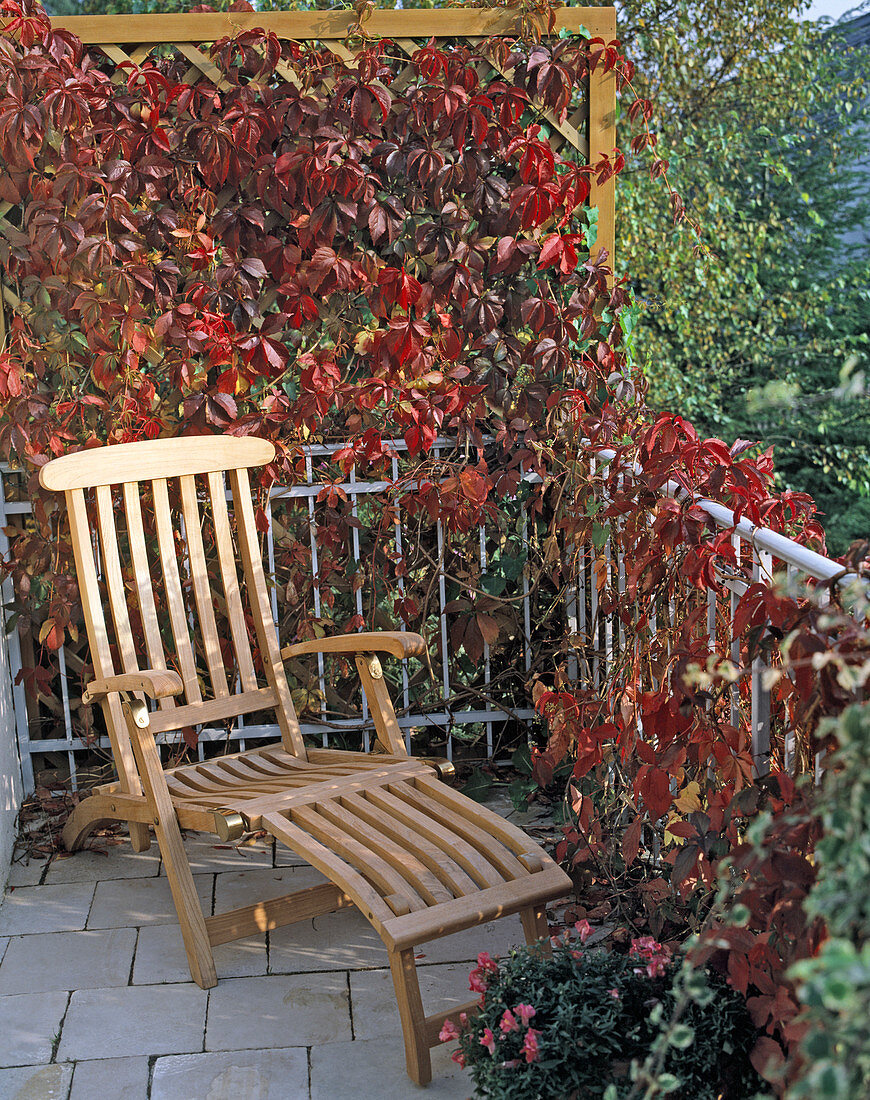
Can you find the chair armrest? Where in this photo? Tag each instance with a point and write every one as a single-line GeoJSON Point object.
{"type": "Point", "coordinates": [155, 683]}
{"type": "Point", "coordinates": [395, 642]}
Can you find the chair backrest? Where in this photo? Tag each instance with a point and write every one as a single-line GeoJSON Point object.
{"type": "Point", "coordinates": [154, 545]}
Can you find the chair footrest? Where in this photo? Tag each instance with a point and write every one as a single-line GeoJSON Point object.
{"type": "Point", "coordinates": [418, 859]}
{"type": "Point", "coordinates": [498, 901]}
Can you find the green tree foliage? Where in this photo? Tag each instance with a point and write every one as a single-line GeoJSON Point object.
{"type": "Point", "coordinates": [836, 985]}
{"type": "Point", "coordinates": [762, 331]}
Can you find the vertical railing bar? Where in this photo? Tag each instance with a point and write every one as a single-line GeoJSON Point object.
{"type": "Point", "coordinates": [760, 703]}
{"type": "Point", "coordinates": [595, 625]}
{"type": "Point", "coordinates": [270, 558]}
{"type": "Point", "coordinates": [527, 603]}
{"type": "Point", "coordinates": [67, 717]}
{"type": "Point", "coordinates": [13, 646]}
{"type": "Point", "coordinates": [608, 619]}
{"type": "Point", "coordinates": [486, 661]}
{"type": "Point", "coordinates": [315, 570]}
{"type": "Point", "coordinates": [445, 652]}
{"type": "Point", "coordinates": [735, 641]}
{"type": "Point", "coordinates": [790, 746]}
{"type": "Point", "coordinates": [581, 607]}
{"type": "Point", "coordinates": [406, 698]}
{"type": "Point", "coordinates": [358, 603]}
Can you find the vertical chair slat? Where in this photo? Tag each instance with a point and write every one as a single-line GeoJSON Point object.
{"type": "Point", "coordinates": [201, 587]}
{"type": "Point", "coordinates": [144, 586]}
{"type": "Point", "coordinates": [174, 595]}
{"type": "Point", "coordinates": [267, 636]}
{"type": "Point", "coordinates": [114, 579]}
{"type": "Point", "coordinates": [227, 559]}
{"type": "Point", "coordinates": [95, 623]}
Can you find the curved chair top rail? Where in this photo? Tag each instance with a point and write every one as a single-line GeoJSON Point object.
{"type": "Point", "coordinates": [152, 459]}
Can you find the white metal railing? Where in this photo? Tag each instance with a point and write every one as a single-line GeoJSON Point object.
{"type": "Point", "coordinates": [581, 615]}
{"type": "Point", "coordinates": [444, 716]}
{"type": "Point", "coordinates": [768, 547]}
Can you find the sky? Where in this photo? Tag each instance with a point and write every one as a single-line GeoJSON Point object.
{"type": "Point", "coordinates": [831, 8]}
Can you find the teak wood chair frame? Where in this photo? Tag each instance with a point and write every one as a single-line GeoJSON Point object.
{"type": "Point", "coordinates": [417, 858]}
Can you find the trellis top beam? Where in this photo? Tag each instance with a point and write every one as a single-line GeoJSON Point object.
{"type": "Point", "coordinates": [323, 26]}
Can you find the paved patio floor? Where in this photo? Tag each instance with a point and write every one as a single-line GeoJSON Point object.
{"type": "Point", "coordinates": [96, 1002]}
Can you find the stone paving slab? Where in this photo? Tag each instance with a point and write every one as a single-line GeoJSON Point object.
{"type": "Point", "coordinates": [497, 937]}
{"type": "Point", "coordinates": [334, 941]}
{"type": "Point", "coordinates": [277, 1012]}
{"type": "Point", "coordinates": [29, 1024]}
{"type": "Point", "coordinates": [374, 1069]}
{"type": "Point", "coordinates": [375, 1014]}
{"type": "Point", "coordinates": [27, 873]}
{"type": "Point", "coordinates": [36, 1082]}
{"type": "Point", "coordinates": [67, 960]}
{"type": "Point", "coordinates": [111, 1079]}
{"type": "Point", "coordinates": [120, 903]}
{"type": "Point", "coordinates": [133, 1020]}
{"type": "Point", "coordinates": [160, 956]}
{"type": "Point", "coordinates": [207, 855]}
{"type": "Point", "coordinates": [61, 908]}
{"type": "Point", "coordinates": [236, 888]}
{"type": "Point", "coordinates": [115, 861]}
{"type": "Point", "coordinates": [4, 943]}
{"type": "Point", "coordinates": [237, 1075]}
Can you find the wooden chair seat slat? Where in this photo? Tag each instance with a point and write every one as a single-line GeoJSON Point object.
{"type": "Point", "coordinates": [174, 596]}
{"type": "Point", "coordinates": [403, 859]}
{"type": "Point", "coordinates": [357, 855]}
{"type": "Point", "coordinates": [227, 558]}
{"type": "Point", "coordinates": [417, 859]}
{"type": "Point", "coordinates": [322, 858]}
{"type": "Point", "coordinates": [501, 858]}
{"type": "Point", "coordinates": [144, 585]}
{"type": "Point", "coordinates": [436, 859]}
{"type": "Point", "coordinates": [201, 587]}
{"type": "Point", "coordinates": [114, 579]}
{"type": "Point", "coordinates": [479, 869]}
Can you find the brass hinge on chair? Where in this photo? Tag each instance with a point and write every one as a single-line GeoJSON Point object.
{"type": "Point", "coordinates": [230, 825]}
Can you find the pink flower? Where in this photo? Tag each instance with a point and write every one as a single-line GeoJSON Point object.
{"type": "Point", "coordinates": [584, 930]}
{"type": "Point", "coordinates": [525, 1013]}
{"type": "Point", "coordinates": [448, 1031]}
{"type": "Point", "coordinates": [458, 1057]}
{"type": "Point", "coordinates": [488, 1040]}
{"type": "Point", "coordinates": [530, 1045]}
{"type": "Point", "coordinates": [487, 963]}
{"type": "Point", "coordinates": [512, 1064]}
{"type": "Point", "coordinates": [614, 993]}
{"type": "Point", "coordinates": [508, 1022]}
{"type": "Point", "coordinates": [656, 956]}
{"type": "Point", "coordinates": [656, 967]}
{"type": "Point", "coordinates": [476, 982]}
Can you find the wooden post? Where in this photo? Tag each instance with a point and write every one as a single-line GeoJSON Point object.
{"type": "Point", "coordinates": [602, 139]}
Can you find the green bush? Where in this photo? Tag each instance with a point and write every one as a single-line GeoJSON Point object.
{"type": "Point", "coordinates": [570, 1026]}
{"type": "Point", "coordinates": [835, 986]}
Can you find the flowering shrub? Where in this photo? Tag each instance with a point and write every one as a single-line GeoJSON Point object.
{"type": "Point", "coordinates": [571, 1024]}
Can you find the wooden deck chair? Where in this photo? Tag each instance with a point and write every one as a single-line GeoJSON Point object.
{"type": "Point", "coordinates": [417, 858]}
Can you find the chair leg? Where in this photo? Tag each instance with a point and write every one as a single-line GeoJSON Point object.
{"type": "Point", "coordinates": [535, 927]}
{"type": "Point", "coordinates": [80, 824]}
{"type": "Point", "coordinates": [140, 836]}
{"type": "Point", "coordinates": [200, 957]}
{"type": "Point", "coordinates": [407, 986]}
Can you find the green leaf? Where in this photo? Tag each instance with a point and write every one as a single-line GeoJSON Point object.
{"type": "Point", "coordinates": [477, 786]}
{"type": "Point", "coordinates": [681, 1036]}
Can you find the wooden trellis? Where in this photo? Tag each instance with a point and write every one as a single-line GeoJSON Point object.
{"type": "Point", "coordinates": [591, 129]}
